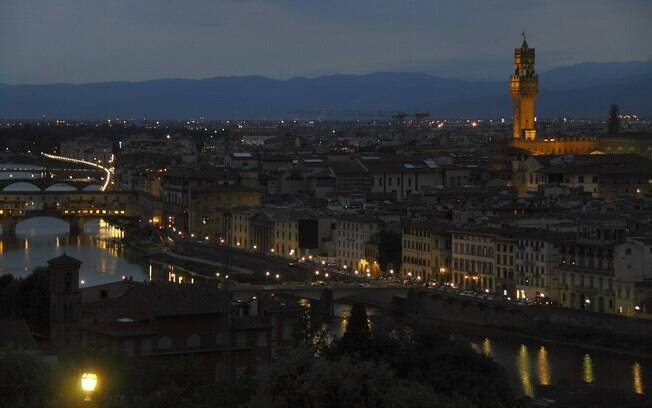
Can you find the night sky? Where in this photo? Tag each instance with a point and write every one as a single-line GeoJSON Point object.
{"type": "Point", "coordinates": [45, 41]}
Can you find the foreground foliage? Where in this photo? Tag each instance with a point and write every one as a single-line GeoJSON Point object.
{"type": "Point", "coordinates": [389, 366]}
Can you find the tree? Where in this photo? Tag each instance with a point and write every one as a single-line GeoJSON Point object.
{"type": "Point", "coordinates": [24, 381]}
{"type": "Point", "coordinates": [427, 355]}
{"type": "Point", "coordinates": [356, 337]}
{"type": "Point", "coordinates": [614, 120]}
{"type": "Point", "coordinates": [299, 381]}
{"type": "Point", "coordinates": [389, 250]}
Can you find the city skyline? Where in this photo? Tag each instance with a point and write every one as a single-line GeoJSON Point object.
{"type": "Point", "coordinates": [70, 41]}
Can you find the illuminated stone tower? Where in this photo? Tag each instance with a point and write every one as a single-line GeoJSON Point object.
{"type": "Point", "coordinates": [523, 87]}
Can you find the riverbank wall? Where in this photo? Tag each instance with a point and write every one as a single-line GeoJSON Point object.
{"type": "Point", "coordinates": [543, 322]}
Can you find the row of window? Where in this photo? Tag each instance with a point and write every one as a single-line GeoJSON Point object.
{"type": "Point", "coordinates": [252, 339]}
{"type": "Point", "coordinates": [416, 261]}
{"type": "Point", "coordinates": [472, 249]}
{"type": "Point", "coordinates": [389, 181]}
{"type": "Point", "coordinates": [472, 266]}
{"type": "Point", "coordinates": [587, 281]}
{"type": "Point", "coordinates": [416, 245]}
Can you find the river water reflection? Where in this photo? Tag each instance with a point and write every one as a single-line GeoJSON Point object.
{"type": "Point", "coordinates": [39, 239]}
{"type": "Point", "coordinates": [535, 363]}
{"type": "Point", "coordinates": [532, 363]}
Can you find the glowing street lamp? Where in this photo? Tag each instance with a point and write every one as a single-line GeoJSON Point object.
{"type": "Point", "coordinates": [88, 385]}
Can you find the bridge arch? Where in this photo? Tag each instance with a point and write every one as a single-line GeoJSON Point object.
{"type": "Point", "coordinates": [92, 187]}
{"type": "Point", "coordinates": [61, 187]}
{"type": "Point", "coordinates": [67, 223]}
{"type": "Point", "coordinates": [20, 186]}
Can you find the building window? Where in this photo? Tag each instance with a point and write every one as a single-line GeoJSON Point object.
{"type": "Point", "coordinates": [145, 346]}
{"type": "Point", "coordinates": [164, 343]}
{"type": "Point", "coordinates": [193, 341]}
{"type": "Point", "coordinates": [261, 339]}
{"type": "Point", "coordinates": [130, 347]}
{"type": "Point", "coordinates": [241, 340]}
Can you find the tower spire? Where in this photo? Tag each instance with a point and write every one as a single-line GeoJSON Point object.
{"type": "Point", "coordinates": [524, 44]}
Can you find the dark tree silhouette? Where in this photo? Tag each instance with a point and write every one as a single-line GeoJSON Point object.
{"type": "Point", "coordinates": [390, 250]}
{"type": "Point", "coordinates": [356, 337]}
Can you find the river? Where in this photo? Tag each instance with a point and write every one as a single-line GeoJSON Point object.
{"type": "Point", "coordinates": [527, 363]}
{"type": "Point", "coordinates": [39, 239]}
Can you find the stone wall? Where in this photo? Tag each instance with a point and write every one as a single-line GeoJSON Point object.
{"type": "Point", "coordinates": [539, 321]}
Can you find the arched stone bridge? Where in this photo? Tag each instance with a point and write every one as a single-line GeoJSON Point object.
{"type": "Point", "coordinates": [49, 184]}
{"type": "Point", "coordinates": [76, 207]}
{"type": "Point", "coordinates": [380, 296]}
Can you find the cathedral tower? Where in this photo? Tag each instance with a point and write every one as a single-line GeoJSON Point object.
{"type": "Point", "coordinates": [523, 88]}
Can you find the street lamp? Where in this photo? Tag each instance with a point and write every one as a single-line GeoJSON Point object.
{"type": "Point", "coordinates": [88, 385]}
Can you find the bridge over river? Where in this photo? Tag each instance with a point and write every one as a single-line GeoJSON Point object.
{"type": "Point", "coordinates": [75, 207]}
{"type": "Point", "coordinates": [378, 295]}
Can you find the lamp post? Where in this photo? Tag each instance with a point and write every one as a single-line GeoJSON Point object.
{"type": "Point", "coordinates": [88, 384]}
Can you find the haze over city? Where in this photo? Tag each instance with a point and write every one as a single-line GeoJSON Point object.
{"type": "Point", "coordinates": [325, 204]}
{"type": "Point", "coordinates": [79, 41]}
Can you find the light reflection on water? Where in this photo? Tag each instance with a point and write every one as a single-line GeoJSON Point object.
{"type": "Point", "coordinates": [587, 369]}
{"type": "Point", "coordinates": [39, 239]}
{"type": "Point", "coordinates": [637, 378]}
{"type": "Point", "coordinates": [524, 371]}
{"type": "Point", "coordinates": [543, 366]}
{"type": "Point", "coordinates": [530, 365]}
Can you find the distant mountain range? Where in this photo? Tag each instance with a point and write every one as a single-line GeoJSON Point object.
{"type": "Point", "coordinates": [584, 90]}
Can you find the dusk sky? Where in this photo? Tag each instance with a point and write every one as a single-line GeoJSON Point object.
{"type": "Point", "coordinates": [45, 41]}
